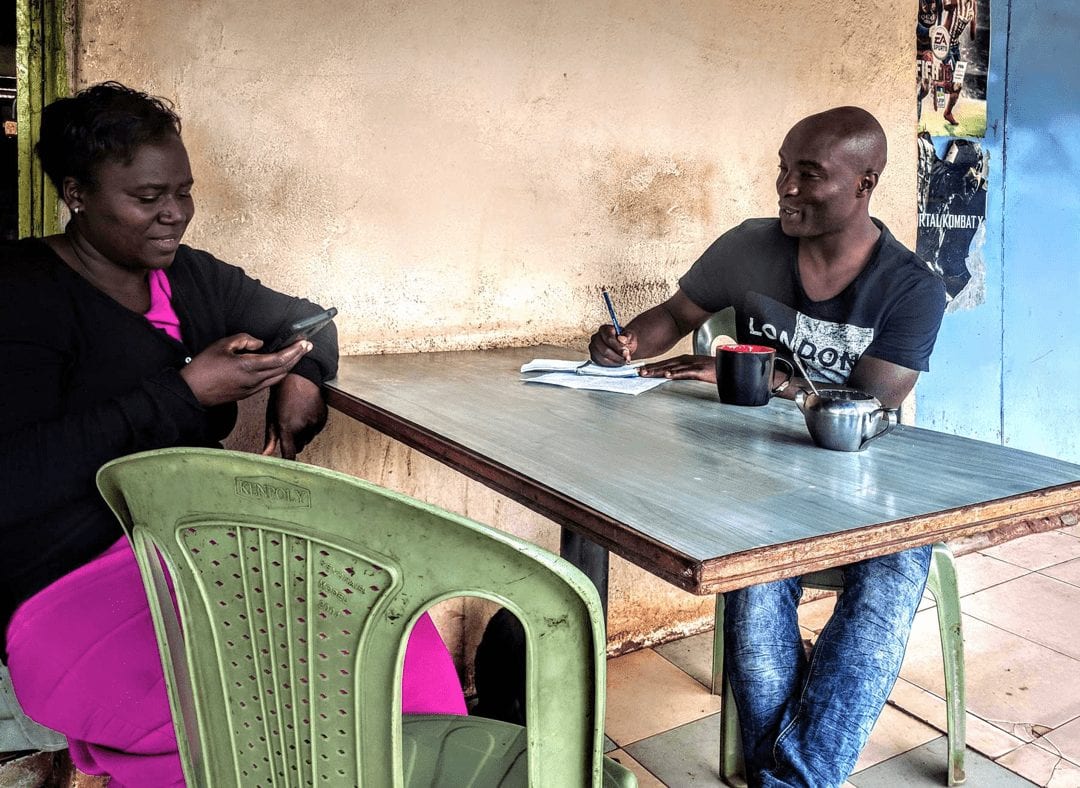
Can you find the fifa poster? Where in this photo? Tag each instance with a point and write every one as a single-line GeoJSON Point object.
{"type": "Point", "coordinates": [952, 55]}
{"type": "Point", "coordinates": [952, 60]}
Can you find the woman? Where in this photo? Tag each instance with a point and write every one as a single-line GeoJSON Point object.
{"type": "Point", "coordinates": [116, 338]}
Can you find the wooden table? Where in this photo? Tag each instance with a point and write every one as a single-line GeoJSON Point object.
{"type": "Point", "coordinates": [710, 497]}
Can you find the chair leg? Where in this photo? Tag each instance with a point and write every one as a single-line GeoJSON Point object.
{"type": "Point", "coordinates": [943, 585]}
{"type": "Point", "coordinates": [718, 647]}
{"type": "Point", "coordinates": [732, 768]}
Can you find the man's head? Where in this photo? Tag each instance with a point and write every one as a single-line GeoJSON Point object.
{"type": "Point", "coordinates": [829, 165]}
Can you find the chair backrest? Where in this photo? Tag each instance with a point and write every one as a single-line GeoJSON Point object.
{"type": "Point", "coordinates": [296, 589]}
{"type": "Point", "coordinates": [719, 326]}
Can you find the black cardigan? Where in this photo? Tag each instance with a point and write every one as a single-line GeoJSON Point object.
{"type": "Point", "coordinates": [86, 380]}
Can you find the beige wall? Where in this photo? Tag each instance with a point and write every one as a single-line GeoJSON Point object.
{"type": "Point", "coordinates": [462, 174]}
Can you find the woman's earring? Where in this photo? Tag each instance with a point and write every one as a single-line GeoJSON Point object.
{"type": "Point", "coordinates": [75, 211]}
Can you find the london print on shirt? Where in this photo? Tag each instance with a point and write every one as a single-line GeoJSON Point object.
{"type": "Point", "coordinates": [829, 351]}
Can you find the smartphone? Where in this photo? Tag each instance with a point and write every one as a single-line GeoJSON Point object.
{"type": "Point", "coordinates": [304, 328]}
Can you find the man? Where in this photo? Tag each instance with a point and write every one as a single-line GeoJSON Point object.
{"type": "Point", "coordinates": [960, 15]}
{"type": "Point", "coordinates": [831, 284]}
{"type": "Point", "coordinates": [929, 15]}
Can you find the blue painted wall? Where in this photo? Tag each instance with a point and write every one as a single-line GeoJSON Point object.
{"type": "Point", "coordinates": [1004, 371]}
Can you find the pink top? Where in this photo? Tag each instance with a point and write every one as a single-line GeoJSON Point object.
{"type": "Point", "coordinates": [161, 313]}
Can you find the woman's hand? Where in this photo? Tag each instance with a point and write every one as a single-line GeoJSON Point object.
{"type": "Point", "coordinates": [295, 414]}
{"type": "Point", "coordinates": [228, 370]}
{"type": "Point", "coordinates": [701, 368]}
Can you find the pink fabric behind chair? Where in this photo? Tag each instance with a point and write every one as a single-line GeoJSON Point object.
{"type": "Point", "coordinates": [84, 661]}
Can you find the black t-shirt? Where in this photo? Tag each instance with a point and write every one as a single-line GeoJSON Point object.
{"type": "Point", "coordinates": [891, 311]}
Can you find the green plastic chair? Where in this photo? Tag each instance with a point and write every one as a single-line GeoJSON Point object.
{"type": "Point", "coordinates": [941, 583]}
{"type": "Point", "coordinates": [296, 589]}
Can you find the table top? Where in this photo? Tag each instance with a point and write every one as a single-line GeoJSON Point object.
{"type": "Point", "coordinates": [709, 496]}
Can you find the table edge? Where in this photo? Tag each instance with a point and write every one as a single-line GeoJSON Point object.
{"type": "Point", "coordinates": [976, 526]}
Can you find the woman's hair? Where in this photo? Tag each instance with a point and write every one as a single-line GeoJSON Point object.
{"type": "Point", "coordinates": [105, 122]}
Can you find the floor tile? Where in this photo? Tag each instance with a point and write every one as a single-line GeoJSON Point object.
{"type": "Point", "coordinates": [976, 571]}
{"type": "Point", "coordinates": [1068, 572]}
{"type": "Point", "coordinates": [814, 615]}
{"type": "Point", "coordinates": [894, 732]}
{"type": "Point", "coordinates": [1072, 530]}
{"type": "Point", "coordinates": [924, 767]}
{"type": "Point", "coordinates": [1064, 741]}
{"type": "Point", "coordinates": [1011, 682]}
{"type": "Point", "coordinates": [692, 655]}
{"type": "Point", "coordinates": [1039, 608]}
{"type": "Point", "coordinates": [1037, 550]}
{"type": "Point", "coordinates": [1042, 767]}
{"type": "Point", "coordinates": [646, 694]}
{"type": "Point", "coordinates": [927, 707]}
{"type": "Point", "coordinates": [683, 757]}
{"type": "Point", "coordinates": [645, 778]}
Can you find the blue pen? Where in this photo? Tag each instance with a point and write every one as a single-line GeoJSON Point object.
{"type": "Point", "coordinates": [611, 311]}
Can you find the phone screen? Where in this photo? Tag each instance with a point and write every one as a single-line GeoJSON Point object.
{"type": "Point", "coordinates": [303, 329]}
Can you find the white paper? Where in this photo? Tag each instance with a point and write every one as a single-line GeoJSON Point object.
{"type": "Point", "coordinates": [625, 371]}
{"type": "Point", "coordinates": [551, 365]}
{"type": "Point", "coordinates": [581, 368]}
{"type": "Point", "coordinates": [619, 385]}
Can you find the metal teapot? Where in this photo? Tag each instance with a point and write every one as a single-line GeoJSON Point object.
{"type": "Point", "coordinates": [845, 420]}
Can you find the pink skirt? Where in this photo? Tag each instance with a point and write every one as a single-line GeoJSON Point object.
{"type": "Point", "coordinates": [84, 661]}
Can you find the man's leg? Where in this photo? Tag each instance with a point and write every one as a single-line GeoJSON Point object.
{"type": "Point", "coordinates": [954, 87]}
{"type": "Point", "coordinates": [765, 663]}
{"type": "Point", "coordinates": [852, 670]}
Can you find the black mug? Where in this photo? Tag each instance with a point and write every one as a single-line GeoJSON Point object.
{"type": "Point", "coordinates": [744, 374]}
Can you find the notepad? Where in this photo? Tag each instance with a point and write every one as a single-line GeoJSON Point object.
{"type": "Point", "coordinates": [617, 385]}
{"type": "Point", "coordinates": [581, 368]}
{"type": "Point", "coordinates": [593, 377]}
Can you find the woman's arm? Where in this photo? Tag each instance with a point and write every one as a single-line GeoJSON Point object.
{"type": "Point", "coordinates": [48, 457]}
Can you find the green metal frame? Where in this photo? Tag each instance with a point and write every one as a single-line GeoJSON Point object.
{"type": "Point", "coordinates": [41, 70]}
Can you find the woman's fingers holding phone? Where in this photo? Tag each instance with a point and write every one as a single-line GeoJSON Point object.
{"type": "Point", "coordinates": [228, 370]}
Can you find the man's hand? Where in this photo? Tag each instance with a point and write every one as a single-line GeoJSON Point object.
{"type": "Point", "coordinates": [701, 368]}
{"type": "Point", "coordinates": [651, 333]}
{"type": "Point", "coordinates": [295, 414]}
{"type": "Point", "coordinates": [228, 370]}
{"type": "Point", "coordinates": [609, 349]}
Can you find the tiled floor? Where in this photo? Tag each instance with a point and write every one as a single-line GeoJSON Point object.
{"type": "Point", "coordinates": [1021, 608]}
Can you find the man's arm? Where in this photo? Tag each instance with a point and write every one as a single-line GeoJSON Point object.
{"type": "Point", "coordinates": [649, 334]}
{"type": "Point", "coordinates": [889, 382]}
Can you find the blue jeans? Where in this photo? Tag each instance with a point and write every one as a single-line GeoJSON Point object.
{"type": "Point", "coordinates": [805, 721]}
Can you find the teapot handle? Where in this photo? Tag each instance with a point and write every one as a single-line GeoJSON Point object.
{"type": "Point", "coordinates": [800, 399]}
{"type": "Point", "coordinates": [890, 417]}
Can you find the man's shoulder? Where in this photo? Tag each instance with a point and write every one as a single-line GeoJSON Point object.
{"type": "Point", "coordinates": [756, 235]}
{"type": "Point", "coordinates": [761, 228]}
{"type": "Point", "coordinates": [895, 256]}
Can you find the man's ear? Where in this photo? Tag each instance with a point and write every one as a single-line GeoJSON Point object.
{"type": "Point", "coordinates": [867, 183]}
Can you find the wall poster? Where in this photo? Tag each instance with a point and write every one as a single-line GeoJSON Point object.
{"type": "Point", "coordinates": [952, 43]}
{"type": "Point", "coordinates": [952, 53]}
